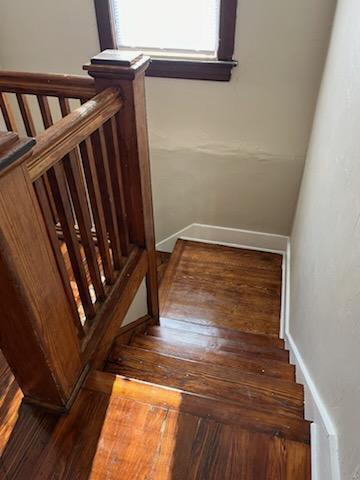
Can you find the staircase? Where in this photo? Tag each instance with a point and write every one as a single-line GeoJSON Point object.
{"type": "Point", "coordinates": [230, 396]}
{"type": "Point", "coordinates": [208, 394]}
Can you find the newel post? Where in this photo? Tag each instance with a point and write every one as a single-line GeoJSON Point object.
{"type": "Point", "coordinates": [37, 333]}
{"type": "Point", "coordinates": [126, 71]}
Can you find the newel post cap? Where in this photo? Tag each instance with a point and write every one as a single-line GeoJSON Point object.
{"type": "Point", "coordinates": [125, 64]}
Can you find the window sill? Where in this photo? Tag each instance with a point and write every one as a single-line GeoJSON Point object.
{"type": "Point", "coordinates": [216, 70]}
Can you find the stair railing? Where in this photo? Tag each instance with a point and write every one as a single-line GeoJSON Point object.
{"type": "Point", "coordinates": [76, 225]}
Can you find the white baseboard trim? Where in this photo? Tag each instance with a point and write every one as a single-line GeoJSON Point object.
{"type": "Point", "coordinates": [234, 237]}
{"type": "Point", "coordinates": [324, 440]}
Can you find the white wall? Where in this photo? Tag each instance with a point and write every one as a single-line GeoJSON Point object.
{"type": "Point", "coordinates": [325, 281]}
{"type": "Point", "coordinates": [228, 154]}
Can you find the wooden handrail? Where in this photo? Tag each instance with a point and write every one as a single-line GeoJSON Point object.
{"type": "Point", "coordinates": [60, 139]}
{"type": "Point", "coordinates": [51, 84]}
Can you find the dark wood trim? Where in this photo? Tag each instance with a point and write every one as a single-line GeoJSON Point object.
{"type": "Point", "coordinates": [218, 70]}
{"type": "Point", "coordinates": [47, 84]}
{"type": "Point", "coordinates": [227, 29]}
{"type": "Point", "coordinates": [105, 24]}
{"type": "Point", "coordinates": [194, 70]}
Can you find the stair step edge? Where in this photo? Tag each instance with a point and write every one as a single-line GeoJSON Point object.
{"type": "Point", "coordinates": [291, 428]}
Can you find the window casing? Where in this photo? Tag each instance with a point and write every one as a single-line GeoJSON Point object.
{"type": "Point", "coordinates": [181, 48]}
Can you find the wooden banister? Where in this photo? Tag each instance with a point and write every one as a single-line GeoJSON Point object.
{"type": "Point", "coordinates": [60, 139]}
{"type": "Point", "coordinates": [50, 84]}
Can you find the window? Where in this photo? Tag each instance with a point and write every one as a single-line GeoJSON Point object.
{"type": "Point", "coordinates": [185, 38]}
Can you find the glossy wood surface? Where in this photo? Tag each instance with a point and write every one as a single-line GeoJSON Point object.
{"type": "Point", "coordinates": [242, 286]}
{"type": "Point", "coordinates": [180, 349]}
{"type": "Point", "coordinates": [217, 348]}
{"type": "Point", "coordinates": [246, 390]}
{"type": "Point", "coordinates": [248, 345]}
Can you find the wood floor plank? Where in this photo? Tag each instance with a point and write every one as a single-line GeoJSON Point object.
{"type": "Point", "coordinates": [228, 413]}
{"type": "Point", "coordinates": [224, 286]}
{"type": "Point", "coordinates": [291, 391]}
{"type": "Point", "coordinates": [176, 348]}
{"type": "Point", "coordinates": [248, 395]}
{"type": "Point", "coordinates": [215, 343]}
{"type": "Point", "coordinates": [131, 440]}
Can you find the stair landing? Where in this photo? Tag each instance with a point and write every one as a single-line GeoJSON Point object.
{"type": "Point", "coordinates": [209, 394]}
{"type": "Point", "coordinates": [223, 286]}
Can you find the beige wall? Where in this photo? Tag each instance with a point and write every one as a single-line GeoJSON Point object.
{"type": "Point", "coordinates": [228, 154]}
{"type": "Point", "coordinates": [325, 281]}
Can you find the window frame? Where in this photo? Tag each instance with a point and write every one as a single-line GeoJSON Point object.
{"type": "Point", "coordinates": [219, 69]}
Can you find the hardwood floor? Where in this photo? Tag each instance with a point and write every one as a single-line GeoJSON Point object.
{"type": "Point", "coordinates": [223, 286]}
{"type": "Point", "coordinates": [208, 395]}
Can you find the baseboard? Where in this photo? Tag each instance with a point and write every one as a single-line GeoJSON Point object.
{"type": "Point", "coordinates": [233, 237]}
{"type": "Point", "coordinates": [324, 441]}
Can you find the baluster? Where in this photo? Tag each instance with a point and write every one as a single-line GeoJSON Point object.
{"type": "Point", "coordinates": [47, 121]}
{"type": "Point", "coordinates": [7, 113]}
{"type": "Point", "coordinates": [78, 193]}
{"type": "Point", "coordinates": [45, 110]}
{"type": "Point", "coordinates": [93, 188]}
{"type": "Point", "coordinates": [102, 168]}
{"type": "Point", "coordinates": [61, 196]}
{"type": "Point", "coordinates": [112, 145]}
{"type": "Point", "coordinates": [47, 214]}
{"type": "Point", "coordinates": [26, 115]}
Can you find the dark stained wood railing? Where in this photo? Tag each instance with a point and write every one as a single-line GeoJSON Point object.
{"type": "Point", "coordinates": [83, 233]}
{"type": "Point", "coordinates": [25, 97]}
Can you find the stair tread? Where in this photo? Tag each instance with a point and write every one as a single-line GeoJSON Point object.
{"type": "Point", "coordinates": [178, 373]}
{"type": "Point", "coordinates": [212, 370]}
{"type": "Point", "coordinates": [215, 343]}
{"type": "Point", "coordinates": [199, 406]}
{"type": "Point", "coordinates": [221, 332]}
{"type": "Point", "coordinates": [177, 348]}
